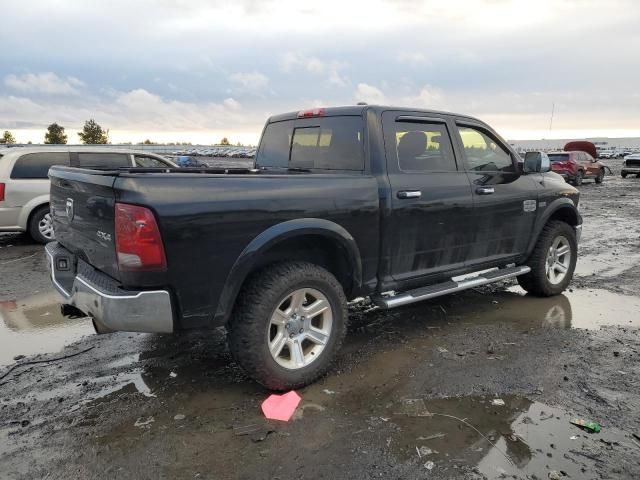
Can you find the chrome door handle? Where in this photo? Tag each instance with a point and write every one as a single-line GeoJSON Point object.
{"type": "Point", "coordinates": [409, 194]}
{"type": "Point", "coordinates": [485, 190]}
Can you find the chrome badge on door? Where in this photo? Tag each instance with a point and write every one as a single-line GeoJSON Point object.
{"type": "Point", "coordinates": [69, 208]}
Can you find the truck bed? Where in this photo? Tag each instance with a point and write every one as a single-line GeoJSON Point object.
{"type": "Point", "coordinates": [207, 218]}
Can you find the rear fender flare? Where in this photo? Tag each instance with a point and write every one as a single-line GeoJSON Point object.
{"type": "Point", "coordinates": [271, 237]}
{"type": "Point", "coordinates": [554, 207]}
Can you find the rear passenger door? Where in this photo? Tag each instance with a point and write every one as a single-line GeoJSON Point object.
{"type": "Point", "coordinates": [429, 227]}
{"type": "Point", "coordinates": [505, 201]}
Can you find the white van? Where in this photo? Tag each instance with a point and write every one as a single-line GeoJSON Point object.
{"type": "Point", "coordinates": [24, 185]}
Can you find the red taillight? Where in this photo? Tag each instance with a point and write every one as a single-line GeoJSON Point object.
{"type": "Point", "coordinates": [1, 192]}
{"type": "Point", "coordinates": [316, 112]}
{"type": "Point", "coordinates": [138, 242]}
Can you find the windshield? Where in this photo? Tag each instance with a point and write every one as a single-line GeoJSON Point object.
{"type": "Point", "coordinates": [325, 143]}
{"type": "Point", "coordinates": [558, 157]}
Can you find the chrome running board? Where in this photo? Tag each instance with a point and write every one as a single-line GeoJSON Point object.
{"type": "Point", "coordinates": [439, 289]}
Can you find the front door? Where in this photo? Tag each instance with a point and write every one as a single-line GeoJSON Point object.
{"type": "Point", "coordinates": [428, 229]}
{"type": "Point", "coordinates": [505, 202]}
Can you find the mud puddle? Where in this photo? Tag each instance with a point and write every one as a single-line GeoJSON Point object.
{"type": "Point", "coordinates": [580, 308]}
{"type": "Point", "coordinates": [511, 435]}
{"type": "Point", "coordinates": [34, 325]}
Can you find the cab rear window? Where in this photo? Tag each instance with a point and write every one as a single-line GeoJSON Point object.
{"type": "Point", "coordinates": [324, 143]}
{"type": "Point", "coordinates": [37, 165]}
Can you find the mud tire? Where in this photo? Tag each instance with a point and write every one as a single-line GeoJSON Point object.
{"type": "Point", "coordinates": [536, 282]}
{"type": "Point", "coordinates": [251, 317]}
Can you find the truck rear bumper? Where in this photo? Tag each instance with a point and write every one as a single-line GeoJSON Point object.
{"type": "Point", "coordinates": [100, 297]}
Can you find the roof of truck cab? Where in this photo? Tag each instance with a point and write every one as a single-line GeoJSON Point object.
{"type": "Point", "coordinates": [359, 109]}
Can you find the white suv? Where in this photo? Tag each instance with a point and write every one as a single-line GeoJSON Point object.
{"type": "Point", "coordinates": [24, 184]}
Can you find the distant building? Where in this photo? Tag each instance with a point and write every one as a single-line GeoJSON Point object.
{"type": "Point", "coordinates": [614, 145]}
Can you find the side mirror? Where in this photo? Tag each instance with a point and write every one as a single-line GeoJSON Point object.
{"type": "Point", "coordinates": [535, 162]}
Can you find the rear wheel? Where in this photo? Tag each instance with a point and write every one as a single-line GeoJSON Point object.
{"type": "Point", "coordinates": [552, 262]}
{"type": "Point", "coordinates": [578, 180]}
{"type": "Point", "coordinates": [600, 176]}
{"type": "Point", "coordinates": [41, 225]}
{"type": "Point", "coordinates": [288, 324]}
{"type": "Point", "coordinates": [624, 174]}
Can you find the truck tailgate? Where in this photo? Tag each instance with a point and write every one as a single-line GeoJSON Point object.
{"type": "Point", "coordinates": [82, 207]}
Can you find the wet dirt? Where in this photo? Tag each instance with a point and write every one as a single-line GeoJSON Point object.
{"type": "Point", "coordinates": [34, 325]}
{"type": "Point", "coordinates": [410, 396]}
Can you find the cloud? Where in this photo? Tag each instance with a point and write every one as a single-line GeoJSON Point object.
{"type": "Point", "coordinates": [231, 104]}
{"type": "Point", "coordinates": [48, 83]}
{"type": "Point", "coordinates": [413, 58]}
{"type": "Point", "coordinates": [369, 94]}
{"type": "Point", "coordinates": [331, 70]}
{"type": "Point", "coordinates": [428, 97]}
{"type": "Point", "coordinates": [250, 81]}
{"type": "Point", "coordinates": [284, 54]}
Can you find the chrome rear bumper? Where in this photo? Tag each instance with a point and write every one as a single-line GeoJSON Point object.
{"type": "Point", "coordinates": [100, 297]}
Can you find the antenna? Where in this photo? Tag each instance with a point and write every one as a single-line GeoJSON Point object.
{"type": "Point", "coordinates": [553, 109]}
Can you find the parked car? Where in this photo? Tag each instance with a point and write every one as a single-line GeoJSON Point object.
{"type": "Point", "coordinates": [400, 205]}
{"type": "Point", "coordinates": [24, 186]}
{"type": "Point", "coordinates": [576, 166]}
{"type": "Point", "coordinates": [186, 161]}
{"type": "Point", "coordinates": [631, 165]}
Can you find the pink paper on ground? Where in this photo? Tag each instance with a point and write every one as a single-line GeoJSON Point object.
{"type": "Point", "coordinates": [281, 407]}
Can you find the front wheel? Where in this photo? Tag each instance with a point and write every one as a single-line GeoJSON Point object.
{"type": "Point", "coordinates": [600, 177]}
{"type": "Point", "coordinates": [552, 262]}
{"type": "Point", "coordinates": [288, 324]}
{"type": "Point", "coordinates": [624, 174]}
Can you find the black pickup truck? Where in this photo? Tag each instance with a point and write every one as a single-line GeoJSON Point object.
{"type": "Point", "coordinates": [396, 204]}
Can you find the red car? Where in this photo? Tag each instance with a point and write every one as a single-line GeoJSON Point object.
{"type": "Point", "coordinates": [576, 166]}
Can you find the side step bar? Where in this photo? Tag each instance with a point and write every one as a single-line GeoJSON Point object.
{"type": "Point", "coordinates": [433, 291]}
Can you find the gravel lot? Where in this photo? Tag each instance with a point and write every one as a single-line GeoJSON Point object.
{"type": "Point", "coordinates": [411, 395]}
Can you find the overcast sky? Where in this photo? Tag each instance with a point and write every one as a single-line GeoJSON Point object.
{"type": "Point", "coordinates": [192, 70]}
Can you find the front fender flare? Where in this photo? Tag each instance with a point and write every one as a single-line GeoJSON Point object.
{"type": "Point", "coordinates": [555, 206]}
{"type": "Point", "coordinates": [272, 236]}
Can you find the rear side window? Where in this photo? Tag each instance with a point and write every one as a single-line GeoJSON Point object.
{"type": "Point", "coordinates": [558, 157]}
{"type": "Point", "coordinates": [327, 143]}
{"type": "Point", "coordinates": [424, 147]}
{"type": "Point", "coordinates": [103, 160]}
{"type": "Point", "coordinates": [37, 165]}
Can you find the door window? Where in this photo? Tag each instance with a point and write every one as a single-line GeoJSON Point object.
{"type": "Point", "coordinates": [36, 165]}
{"type": "Point", "coordinates": [423, 147]}
{"type": "Point", "coordinates": [149, 162]}
{"type": "Point", "coordinates": [483, 153]}
{"type": "Point", "coordinates": [103, 160]}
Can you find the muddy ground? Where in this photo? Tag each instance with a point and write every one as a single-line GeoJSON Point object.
{"type": "Point", "coordinates": [412, 394]}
